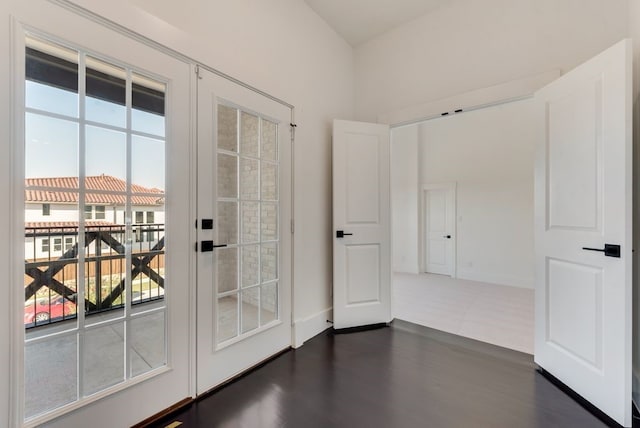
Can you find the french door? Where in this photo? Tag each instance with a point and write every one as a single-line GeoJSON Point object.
{"type": "Point", "coordinates": [103, 157]}
{"type": "Point", "coordinates": [243, 224]}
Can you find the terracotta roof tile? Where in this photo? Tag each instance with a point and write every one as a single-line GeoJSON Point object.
{"type": "Point", "coordinates": [65, 190]}
{"type": "Point", "coordinates": [68, 226]}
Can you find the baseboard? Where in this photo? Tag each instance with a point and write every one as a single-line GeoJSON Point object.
{"type": "Point", "coordinates": [306, 328]}
{"type": "Point", "coordinates": [492, 278]}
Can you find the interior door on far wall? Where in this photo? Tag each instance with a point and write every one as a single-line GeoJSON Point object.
{"type": "Point", "coordinates": [439, 229]}
{"type": "Point", "coordinates": [244, 237]}
{"type": "Point", "coordinates": [362, 224]}
{"type": "Point", "coordinates": [583, 183]}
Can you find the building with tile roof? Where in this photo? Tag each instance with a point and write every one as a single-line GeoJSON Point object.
{"type": "Point", "coordinates": [52, 212]}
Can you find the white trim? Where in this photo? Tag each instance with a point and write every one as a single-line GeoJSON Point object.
{"type": "Point", "coordinates": [60, 411]}
{"type": "Point", "coordinates": [472, 100]}
{"type": "Point", "coordinates": [243, 336]}
{"type": "Point", "coordinates": [422, 216]}
{"type": "Point", "coordinates": [16, 266]}
{"type": "Point", "coordinates": [306, 328]}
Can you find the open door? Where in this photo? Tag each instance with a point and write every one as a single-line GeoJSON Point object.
{"type": "Point", "coordinates": [583, 200]}
{"type": "Point", "coordinates": [362, 224]}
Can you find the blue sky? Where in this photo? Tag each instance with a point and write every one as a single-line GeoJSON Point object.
{"type": "Point", "coordinates": [52, 144]}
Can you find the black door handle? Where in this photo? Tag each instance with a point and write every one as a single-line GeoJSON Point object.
{"type": "Point", "coordinates": [447, 236]}
{"type": "Point", "coordinates": [341, 234]}
{"type": "Point", "coordinates": [206, 246]}
{"type": "Point", "coordinates": [609, 250]}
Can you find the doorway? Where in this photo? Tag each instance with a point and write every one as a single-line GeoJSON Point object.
{"type": "Point", "coordinates": [468, 176]}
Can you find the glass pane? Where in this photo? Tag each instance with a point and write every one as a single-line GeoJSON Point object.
{"type": "Point", "coordinates": [147, 164]}
{"type": "Point", "coordinates": [52, 78]}
{"type": "Point", "coordinates": [269, 140]}
{"type": "Point", "coordinates": [106, 155]}
{"type": "Point", "coordinates": [106, 267]}
{"type": "Point", "coordinates": [227, 128]}
{"type": "Point", "coordinates": [250, 222]}
{"type": "Point", "coordinates": [103, 358]}
{"type": "Point", "coordinates": [148, 349]}
{"type": "Point", "coordinates": [269, 262]}
{"type": "Point", "coordinates": [51, 148]}
{"type": "Point", "coordinates": [249, 179]}
{"type": "Point", "coordinates": [249, 134]}
{"type": "Point", "coordinates": [51, 264]}
{"type": "Point", "coordinates": [227, 268]}
{"type": "Point", "coordinates": [51, 374]}
{"type": "Point", "coordinates": [52, 99]}
{"type": "Point", "coordinates": [106, 93]}
{"type": "Point", "coordinates": [250, 265]}
{"type": "Point", "coordinates": [269, 303]}
{"type": "Point", "coordinates": [269, 182]}
{"type": "Point", "coordinates": [47, 306]}
{"type": "Point", "coordinates": [148, 106]}
{"type": "Point", "coordinates": [250, 307]}
{"type": "Point", "coordinates": [227, 317]}
{"type": "Point", "coordinates": [228, 223]}
{"type": "Point", "coordinates": [227, 176]}
{"type": "Point", "coordinates": [269, 221]}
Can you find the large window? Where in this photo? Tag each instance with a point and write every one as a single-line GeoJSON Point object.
{"type": "Point", "coordinates": [94, 308]}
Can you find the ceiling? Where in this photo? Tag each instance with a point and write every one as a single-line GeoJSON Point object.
{"type": "Point", "coordinates": [358, 21]}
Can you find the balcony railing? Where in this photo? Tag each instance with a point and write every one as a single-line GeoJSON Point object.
{"type": "Point", "coordinates": [52, 270]}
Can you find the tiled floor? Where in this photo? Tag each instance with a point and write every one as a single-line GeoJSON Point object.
{"type": "Point", "coordinates": [492, 313]}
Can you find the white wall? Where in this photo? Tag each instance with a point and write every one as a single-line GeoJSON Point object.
{"type": "Point", "coordinates": [489, 153]}
{"type": "Point", "coordinates": [404, 198]}
{"type": "Point", "coordinates": [470, 44]}
{"type": "Point", "coordinates": [281, 47]}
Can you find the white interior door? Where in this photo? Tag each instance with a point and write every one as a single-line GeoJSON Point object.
{"type": "Point", "coordinates": [439, 233]}
{"type": "Point", "coordinates": [244, 252]}
{"type": "Point", "coordinates": [583, 201]}
{"type": "Point", "coordinates": [362, 224]}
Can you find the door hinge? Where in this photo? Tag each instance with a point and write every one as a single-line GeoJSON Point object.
{"type": "Point", "coordinates": [197, 70]}
{"type": "Point", "coordinates": [293, 226]}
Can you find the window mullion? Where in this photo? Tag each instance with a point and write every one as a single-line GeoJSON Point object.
{"type": "Point", "coordinates": [128, 227]}
{"type": "Point", "coordinates": [81, 281]}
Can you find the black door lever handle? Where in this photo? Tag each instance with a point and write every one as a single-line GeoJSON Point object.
{"type": "Point", "coordinates": [341, 234]}
{"type": "Point", "coordinates": [206, 246]}
{"type": "Point", "coordinates": [609, 250]}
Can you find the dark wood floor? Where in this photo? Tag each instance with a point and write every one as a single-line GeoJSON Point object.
{"type": "Point", "coordinates": [400, 376]}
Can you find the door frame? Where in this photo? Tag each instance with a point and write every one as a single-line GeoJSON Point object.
{"type": "Point", "coordinates": [452, 188]}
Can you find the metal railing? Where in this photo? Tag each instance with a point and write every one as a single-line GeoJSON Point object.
{"type": "Point", "coordinates": [52, 270]}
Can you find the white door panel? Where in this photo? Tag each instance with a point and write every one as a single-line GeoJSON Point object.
{"type": "Point", "coordinates": [244, 186]}
{"type": "Point", "coordinates": [361, 209]}
{"type": "Point", "coordinates": [583, 200]}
